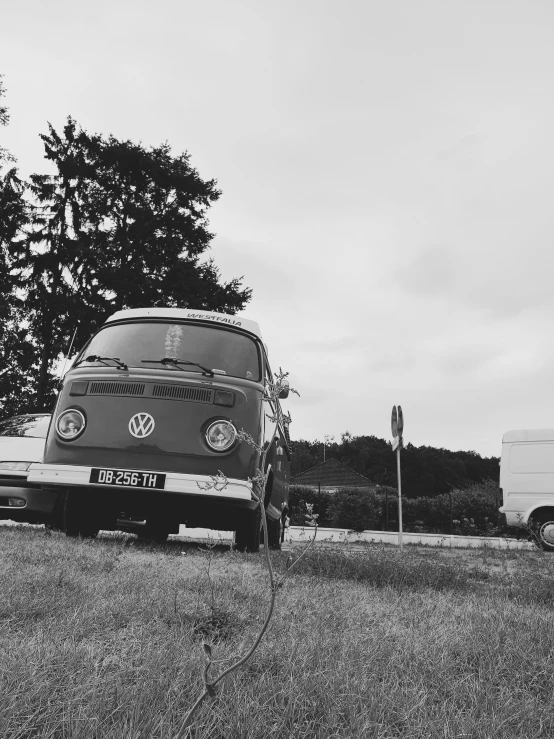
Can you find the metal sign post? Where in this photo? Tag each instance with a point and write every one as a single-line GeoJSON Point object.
{"type": "Point", "coordinates": [397, 426]}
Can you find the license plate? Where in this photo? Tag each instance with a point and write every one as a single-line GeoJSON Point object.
{"type": "Point", "coordinates": [127, 478]}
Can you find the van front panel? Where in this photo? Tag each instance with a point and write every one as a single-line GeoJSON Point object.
{"type": "Point", "coordinates": [181, 412]}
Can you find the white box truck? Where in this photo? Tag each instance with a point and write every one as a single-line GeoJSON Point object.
{"type": "Point", "coordinates": [527, 482]}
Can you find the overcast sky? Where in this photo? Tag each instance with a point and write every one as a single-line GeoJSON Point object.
{"type": "Point", "coordinates": [387, 172]}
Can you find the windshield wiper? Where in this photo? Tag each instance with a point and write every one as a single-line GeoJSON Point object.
{"type": "Point", "coordinates": [104, 360]}
{"type": "Point", "coordinates": [177, 362]}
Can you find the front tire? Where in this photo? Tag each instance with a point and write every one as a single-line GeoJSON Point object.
{"type": "Point", "coordinates": [155, 532]}
{"type": "Point", "coordinates": [79, 516]}
{"type": "Point", "coordinates": [546, 534]}
{"type": "Point", "coordinates": [248, 534]}
{"type": "Point", "coordinates": [55, 521]}
{"type": "Point", "coordinates": [275, 533]}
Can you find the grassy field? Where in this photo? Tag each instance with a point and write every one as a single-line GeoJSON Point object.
{"type": "Point", "coordinates": [103, 640]}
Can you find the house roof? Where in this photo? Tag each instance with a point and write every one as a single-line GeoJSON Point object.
{"type": "Point", "coordinates": [332, 473]}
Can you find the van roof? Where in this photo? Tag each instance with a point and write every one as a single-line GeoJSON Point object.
{"type": "Point", "coordinates": [189, 314]}
{"type": "Point", "coordinates": [528, 435]}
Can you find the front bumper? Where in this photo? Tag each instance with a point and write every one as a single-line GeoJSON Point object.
{"type": "Point", "coordinates": [202, 485]}
{"type": "Point", "coordinates": [37, 504]}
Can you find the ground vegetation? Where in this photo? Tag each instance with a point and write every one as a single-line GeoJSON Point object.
{"type": "Point", "coordinates": [103, 639]}
{"type": "Point", "coordinates": [469, 511]}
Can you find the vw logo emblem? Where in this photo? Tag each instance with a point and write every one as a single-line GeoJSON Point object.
{"type": "Point", "coordinates": [141, 425]}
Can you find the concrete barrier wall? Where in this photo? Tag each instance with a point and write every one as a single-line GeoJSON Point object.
{"type": "Point", "coordinates": [343, 536]}
{"type": "Point", "coordinates": [300, 533]}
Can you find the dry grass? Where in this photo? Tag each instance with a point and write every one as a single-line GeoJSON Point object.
{"type": "Point", "coordinates": [102, 640]}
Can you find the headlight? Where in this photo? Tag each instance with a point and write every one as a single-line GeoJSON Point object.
{"type": "Point", "coordinates": [70, 424]}
{"type": "Point", "coordinates": [221, 435]}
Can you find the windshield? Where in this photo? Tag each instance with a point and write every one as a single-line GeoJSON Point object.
{"type": "Point", "coordinates": [36, 426]}
{"type": "Point", "coordinates": [212, 347]}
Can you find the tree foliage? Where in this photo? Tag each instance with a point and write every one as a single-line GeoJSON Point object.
{"type": "Point", "coordinates": [4, 120]}
{"type": "Point", "coordinates": [355, 509]}
{"type": "Point", "coordinates": [16, 353]}
{"type": "Point", "coordinates": [471, 510]}
{"type": "Point", "coordinates": [426, 471]}
{"type": "Point", "coordinates": [118, 225]}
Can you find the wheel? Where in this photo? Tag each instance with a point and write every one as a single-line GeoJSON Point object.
{"type": "Point", "coordinates": [154, 531]}
{"type": "Point", "coordinates": [249, 533]}
{"type": "Point", "coordinates": [56, 520]}
{"type": "Point", "coordinates": [79, 517]}
{"type": "Point", "coordinates": [275, 533]}
{"type": "Point", "coordinates": [286, 525]}
{"type": "Point", "coordinates": [545, 532]}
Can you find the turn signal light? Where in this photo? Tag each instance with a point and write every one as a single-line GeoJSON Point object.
{"type": "Point", "coordinates": [224, 397]}
{"type": "Point", "coordinates": [79, 387]}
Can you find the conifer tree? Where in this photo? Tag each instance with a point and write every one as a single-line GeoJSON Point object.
{"type": "Point", "coordinates": [16, 351]}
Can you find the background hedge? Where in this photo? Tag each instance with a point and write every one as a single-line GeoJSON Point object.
{"type": "Point", "coordinates": [470, 510]}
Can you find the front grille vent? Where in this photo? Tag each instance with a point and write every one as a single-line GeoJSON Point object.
{"type": "Point", "coordinates": [116, 388]}
{"type": "Point", "coordinates": [182, 392]}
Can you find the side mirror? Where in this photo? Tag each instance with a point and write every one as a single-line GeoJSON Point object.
{"type": "Point", "coordinates": [284, 391]}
